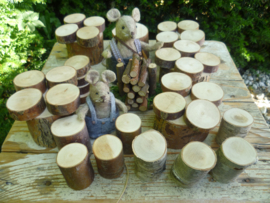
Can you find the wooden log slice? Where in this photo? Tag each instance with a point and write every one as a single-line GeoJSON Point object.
{"type": "Point", "coordinates": [209, 91]}
{"type": "Point", "coordinates": [168, 37]}
{"type": "Point", "coordinates": [144, 90]}
{"type": "Point", "coordinates": [150, 153]}
{"type": "Point", "coordinates": [75, 18]}
{"type": "Point", "coordinates": [81, 80]}
{"type": "Point", "coordinates": [40, 129]}
{"type": "Point", "coordinates": [177, 133]}
{"type": "Point", "coordinates": [95, 21]}
{"type": "Point", "coordinates": [193, 163]}
{"type": "Point", "coordinates": [61, 74]}
{"type": "Point", "coordinates": [88, 36]}
{"type": "Point", "coordinates": [210, 62]}
{"type": "Point", "coordinates": [187, 48]}
{"type": "Point", "coordinates": [197, 36]}
{"type": "Point", "coordinates": [176, 82]}
{"type": "Point", "coordinates": [68, 130]}
{"type": "Point", "coordinates": [128, 126]}
{"type": "Point", "coordinates": [136, 88]}
{"type": "Point", "coordinates": [74, 162]}
{"type": "Point", "coordinates": [81, 64]}
{"type": "Point", "coordinates": [26, 104]}
{"type": "Point", "coordinates": [235, 123]}
{"type": "Point", "coordinates": [202, 115]}
{"type": "Point", "coordinates": [167, 26]}
{"type": "Point", "coordinates": [135, 66]}
{"type": "Point", "coordinates": [191, 67]}
{"type": "Point", "coordinates": [83, 97]}
{"type": "Point", "coordinates": [131, 94]}
{"type": "Point", "coordinates": [166, 57]}
{"type": "Point", "coordinates": [233, 157]}
{"type": "Point", "coordinates": [30, 79]}
{"type": "Point", "coordinates": [135, 105]}
{"type": "Point", "coordinates": [63, 99]}
{"type": "Point", "coordinates": [187, 25]}
{"type": "Point", "coordinates": [126, 88]}
{"type": "Point", "coordinates": [84, 89]}
{"type": "Point", "coordinates": [169, 105]}
{"type": "Point", "coordinates": [66, 34]}
{"type": "Point", "coordinates": [108, 151]}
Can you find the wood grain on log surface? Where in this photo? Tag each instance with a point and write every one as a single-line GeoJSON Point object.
{"type": "Point", "coordinates": [75, 18]}
{"type": "Point", "coordinates": [95, 21]}
{"type": "Point", "coordinates": [168, 37]}
{"type": "Point", "coordinates": [88, 36]}
{"type": "Point", "coordinates": [187, 48]}
{"type": "Point", "coordinates": [187, 25]}
{"type": "Point", "coordinates": [126, 75]}
{"type": "Point", "coordinates": [167, 26]}
{"type": "Point", "coordinates": [152, 72]}
{"type": "Point", "coordinates": [197, 36]}
{"type": "Point", "coordinates": [81, 64]}
{"type": "Point", "coordinates": [166, 57]}
{"type": "Point", "coordinates": [210, 62]}
{"type": "Point", "coordinates": [120, 68]}
{"type": "Point", "coordinates": [81, 80]}
{"type": "Point", "coordinates": [66, 34]}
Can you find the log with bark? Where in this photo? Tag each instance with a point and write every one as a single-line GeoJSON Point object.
{"type": "Point", "coordinates": [210, 62]}
{"type": "Point", "coordinates": [126, 88]}
{"type": "Point", "coordinates": [95, 21]}
{"type": "Point", "coordinates": [81, 64]}
{"type": "Point", "coordinates": [66, 34]}
{"type": "Point", "coordinates": [187, 25]}
{"type": "Point", "coordinates": [152, 72]}
{"type": "Point", "coordinates": [168, 37]}
{"type": "Point", "coordinates": [83, 97]}
{"type": "Point", "coordinates": [75, 18]}
{"type": "Point", "coordinates": [135, 66]}
{"type": "Point", "coordinates": [197, 36]}
{"type": "Point", "coordinates": [144, 90]}
{"type": "Point", "coordinates": [126, 75]}
{"type": "Point", "coordinates": [143, 74]}
{"type": "Point", "coordinates": [120, 68]}
{"type": "Point", "coordinates": [187, 48]}
{"type": "Point", "coordinates": [136, 88]}
{"type": "Point", "coordinates": [81, 80]}
{"type": "Point", "coordinates": [131, 94]}
{"type": "Point", "coordinates": [88, 36]}
{"type": "Point", "coordinates": [167, 26]}
{"type": "Point", "coordinates": [144, 105]}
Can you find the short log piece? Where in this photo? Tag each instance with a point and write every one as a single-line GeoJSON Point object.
{"type": "Point", "coordinates": [166, 57]}
{"type": "Point", "coordinates": [75, 18]}
{"type": "Point", "coordinates": [108, 151]}
{"type": "Point", "coordinates": [88, 37]}
{"type": "Point", "coordinates": [68, 130]}
{"type": "Point", "coordinates": [136, 88]}
{"type": "Point", "coordinates": [81, 80]}
{"type": "Point", "coordinates": [81, 64]}
{"type": "Point", "coordinates": [131, 94]}
{"type": "Point", "coordinates": [40, 129]}
{"type": "Point", "coordinates": [61, 74]}
{"type": "Point", "coordinates": [135, 66]}
{"type": "Point", "coordinates": [66, 34]}
{"type": "Point", "coordinates": [128, 126]}
{"type": "Point", "coordinates": [150, 153]}
{"type": "Point", "coordinates": [134, 105]}
{"type": "Point", "coordinates": [120, 68]}
{"type": "Point", "coordinates": [83, 97]}
{"type": "Point", "coordinates": [167, 26]}
{"type": "Point", "coordinates": [126, 75]}
{"type": "Point", "coordinates": [144, 105]}
{"type": "Point", "coordinates": [233, 157]}
{"type": "Point", "coordinates": [139, 99]}
{"type": "Point", "coordinates": [152, 72]}
{"type": "Point", "coordinates": [84, 89]}
{"type": "Point", "coordinates": [187, 25]}
{"type": "Point", "coordinates": [193, 163]}
{"type": "Point", "coordinates": [126, 88]}
{"type": "Point", "coordinates": [26, 104]}
{"type": "Point", "coordinates": [210, 61]}
{"type": "Point", "coordinates": [143, 74]}
{"type": "Point", "coordinates": [168, 37]}
{"type": "Point", "coordinates": [74, 163]}
{"type": "Point", "coordinates": [187, 48]}
{"type": "Point", "coordinates": [95, 21]}
{"type": "Point", "coordinates": [63, 99]}
{"type": "Point", "coordinates": [197, 36]}
{"type": "Point", "coordinates": [129, 101]}
{"type": "Point", "coordinates": [30, 79]}
{"type": "Point", "coordinates": [144, 90]}
{"type": "Point", "coordinates": [235, 123]}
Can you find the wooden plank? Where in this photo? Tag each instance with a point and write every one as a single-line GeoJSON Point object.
{"type": "Point", "coordinates": [28, 177]}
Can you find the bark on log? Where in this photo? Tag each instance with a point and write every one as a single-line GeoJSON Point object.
{"type": "Point", "coordinates": [120, 68]}
{"type": "Point", "coordinates": [197, 36]}
{"type": "Point", "coordinates": [81, 63]}
{"type": "Point", "coordinates": [84, 89]}
{"type": "Point", "coordinates": [135, 67]}
{"type": "Point", "coordinates": [167, 26]}
{"type": "Point", "coordinates": [143, 75]}
{"type": "Point", "coordinates": [166, 57]}
{"type": "Point", "coordinates": [95, 21]}
{"type": "Point", "coordinates": [88, 36]}
{"type": "Point", "coordinates": [126, 88]}
{"type": "Point", "coordinates": [210, 62]}
{"type": "Point", "coordinates": [66, 34]}
{"type": "Point", "coordinates": [152, 71]}
{"type": "Point", "coordinates": [81, 81]}
{"type": "Point", "coordinates": [126, 75]}
{"type": "Point", "coordinates": [83, 98]}
{"type": "Point", "coordinates": [187, 48]}
{"type": "Point", "coordinates": [75, 18]}
{"type": "Point", "coordinates": [168, 37]}
{"type": "Point", "coordinates": [144, 90]}
{"type": "Point", "coordinates": [187, 25]}
{"type": "Point", "coordinates": [144, 104]}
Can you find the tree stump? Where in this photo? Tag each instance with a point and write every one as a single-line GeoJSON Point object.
{"type": "Point", "coordinates": [233, 157]}
{"type": "Point", "coordinates": [84, 89]}
{"type": "Point", "coordinates": [68, 130]}
{"type": "Point", "coordinates": [75, 18]}
{"type": "Point", "coordinates": [30, 79]}
{"type": "Point", "coordinates": [83, 97]}
{"type": "Point", "coordinates": [81, 64]}
{"type": "Point", "coordinates": [187, 48]}
{"type": "Point", "coordinates": [193, 163]}
{"type": "Point", "coordinates": [63, 99]}
{"type": "Point", "coordinates": [40, 129]}
{"type": "Point", "coordinates": [74, 163]}
{"type": "Point", "coordinates": [197, 36]}
{"type": "Point", "coordinates": [168, 37]}
{"type": "Point", "coordinates": [88, 36]}
{"type": "Point", "coordinates": [152, 72]}
{"type": "Point", "coordinates": [176, 82]}
{"type": "Point", "coordinates": [209, 91]}
{"type": "Point", "coordinates": [191, 67]}
{"type": "Point", "coordinates": [61, 74]}
{"type": "Point", "coordinates": [167, 26]}
{"type": "Point", "coordinates": [169, 105]}
{"type": "Point", "coordinates": [150, 153]}
{"type": "Point", "coordinates": [128, 126]}
{"type": "Point", "coordinates": [235, 123]}
{"type": "Point", "coordinates": [66, 34]}
{"type": "Point", "coordinates": [95, 21]}
{"type": "Point", "coordinates": [210, 62]}
{"type": "Point", "coordinates": [81, 80]}
{"type": "Point", "coordinates": [26, 104]}
{"type": "Point", "coordinates": [108, 151]}
{"type": "Point", "coordinates": [187, 25]}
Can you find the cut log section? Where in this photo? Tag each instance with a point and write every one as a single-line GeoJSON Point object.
{"type": "Point", "coordinates": [66, 34]}
{"type": "Point", "coordinates": [83, 97]}
{"type": "Point", "coordinates": [135, 66]}
{"type": "Point", "coordinates": [143, 74]}
{"type": "Point", "coordinates": [144, 90]}
{"type": "Point", "coordinates": [95, 21]}
{"type": "Point", "coordinates": [30, 79]}
{"type": "Point", "coordinates": [74, 162]}
{"type": "Point", "coordinates": [69, 130]}
{"type": "Point", "coordinates": [136, 88]}
{"type": "Point", "coordinates": [187, 48]}
{"type": "Point", "coordinates": [202, 115]}
{"type": "Point", "coordinates": [235, 123]}
{"type": "Point", "coordinates": [88, 36]}
{"type": "Point", "coordinates": [166, 57]}
{"type": "Point", "coordinates": [128, 126]}
{"type": "Point", "coordinates": [169, 38]}
{"type": "Point", "coordinates": [81, 80]}
{"type": "Point", "coordinates": [197, 36]}
{"type": "Point", "coordinates": [75, 18]}
{"type": "Point", "coordinates": [40, 129]}
{"type": "Point", "coordinates": [108, 151]}
{"type": "Point", "coordinates": [177, 133]}
{"type": "Point", "coordinates": [152, 72]}
{"type": "Point", "coordinates": [129, 101]}
{"type": "Point", "coordinates": [176, 82]}
{"type": "Point", "coordinates": [139, 99]}
{"type": "Point", "coordinates": [63, 99]}
{"type": "Point", "coordinates": [193, 163]}
{"type": "Point", "coordinates": [120, 68]}
{"type": "Point", "coordinates": [144, 104]}
{"type": "Point", "coordinates": [61, 74]}
{"type": "Point", "coordinates": [84, 89]}
{"type": "Point", "coordinates": [131, 94]}
{"type": "Point", "coordinates": [191, 67]}
{"type": "Point", "coordinates": [135, 105]}
{"type": "Point", "coordinates": [81, 64]}
{"type": "Point", "coordinates": [167, 26]}
{"type": "Point", "coordinates": [169, 105]}
{"type": "Point", "coordinates": [233, 157]}
{"type": "Point", "coordinates": [187, 25]}
{"type": "Point", "coordinates": [126, 75]}
{"type": "Point", "coordinates": [150, 153]}
{"type": "Point", "coordinates": [126, 88]}
{"type": "Point", "coordinates": [26, 104]}
{"type": "Point", "coordinates": [209, 61]}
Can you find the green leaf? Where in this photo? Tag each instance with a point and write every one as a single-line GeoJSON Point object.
{"type": "Point", "coordinates": [38, 23]}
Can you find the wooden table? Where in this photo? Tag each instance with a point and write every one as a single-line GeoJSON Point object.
{"type": "Point", "coordinates": [29, 172]}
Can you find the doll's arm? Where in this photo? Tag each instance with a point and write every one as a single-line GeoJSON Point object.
{"type": "Point", "coordinates": [121, 105]}
{"type": "Point", "coordinates": [153, 47]}
{"type": "Point", "coordinates": [107, 53]}
{"type": "Point", "coordinates": [82, 111]}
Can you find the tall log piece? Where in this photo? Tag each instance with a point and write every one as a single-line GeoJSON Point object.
{"type": "Point", "coordinates": [75, 18]}
{"type": "Point", "coordinates": [152, 72]}
{"type": "Point", "coordinates": [120, 68]}
{"type": "Point", "coordinates": [126, 75]}
{"type": "Point", "coordinates": [66, 34]}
